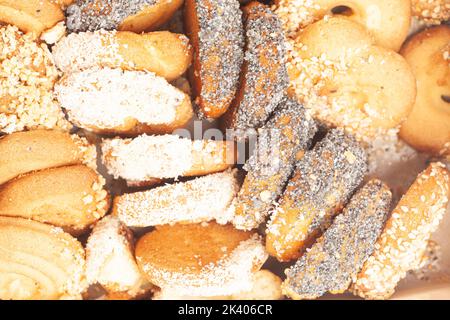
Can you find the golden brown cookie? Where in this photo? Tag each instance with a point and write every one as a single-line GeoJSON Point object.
{"type": "Point", "coordinates": [428, 126]}
{"type": "Point", "coordinates": [27, 151]}
{"type": "Point", "coordinates": [388, 21]}
{"type": "Point", "coordinates": [207, 259]}
{"type": "Point", "coordinates": [70, 197]}
{"type": "Point", "coordinates": [39, 262]}
{"type": "Point", "coordinates": [348, 82]}
{"type": "Point", "coordinates": [164, 53]}
{"type": "Point", "coordinates": [31, 16]}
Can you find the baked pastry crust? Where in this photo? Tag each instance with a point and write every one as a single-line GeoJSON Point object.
{"type": "Point", "coordinates": [427, 127]}
{"type": "Point", "coordinates": [39, 262]}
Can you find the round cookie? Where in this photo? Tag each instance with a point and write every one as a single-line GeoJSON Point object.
{"type": "Point", "coordinates": [206, 260]}
{"type": "Point", "coordinates": [428, 126]}
{"type": "Point", "coordinates": [348, 82]}
{"type": "Point", "coordinates": [387, 20]}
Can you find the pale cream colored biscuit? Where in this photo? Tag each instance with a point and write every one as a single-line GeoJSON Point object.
{"type": "Point", "coordinates": [202, 199]}
{"type": "Point", "coordinates": [39, 262]}
{"type": "Point", "coordinates": [427, 128]}
{"type": "Point", "coordinates": [265, 286]}
{"type": "Point", "coordinates": [388, 21]}
{"type": "Point", "coordinates": [116, 101]}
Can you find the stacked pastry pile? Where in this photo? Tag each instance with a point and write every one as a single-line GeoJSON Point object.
{"type": "Point", "coordinates": [312, 81]}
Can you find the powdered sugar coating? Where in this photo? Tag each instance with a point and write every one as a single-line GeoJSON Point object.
{"type": "Point", "coordinates": [289, 131]}
{"type": "Point", "coordinates": [164, 157]}
{"type": "Point", "coordinates": [110, 257]}
{"type": "Point", "coordinates": [403, 242]}
{"type": "Point", "coordinates": [145, 157]}
{"type": "Point", "coordinates": [79, 51]}
{"type": "Point", "coordinates": [202, 199]}
{"type": "Point", "coordinates": [106, 98]}
{"type": "Point", "coordinates": [334, 260]}
{"type": "Point", "coordinates": [91, 15]}
{"type": "Point", "coordinates": [233, 273]}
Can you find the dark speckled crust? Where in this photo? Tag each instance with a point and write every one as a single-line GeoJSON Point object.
{"type": "Point", "coordinates": [335, 259]}
{"type": "Point", "coordinates": [218, 53]}
{"type": "Point", "coordinates": [264, 77]}
{"type": "Point", "coordinates": [323, 181]}
{"type": "Point", "coordinates": [91, 15]}
{"type": "Point", "coordinates": [289, 132]}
